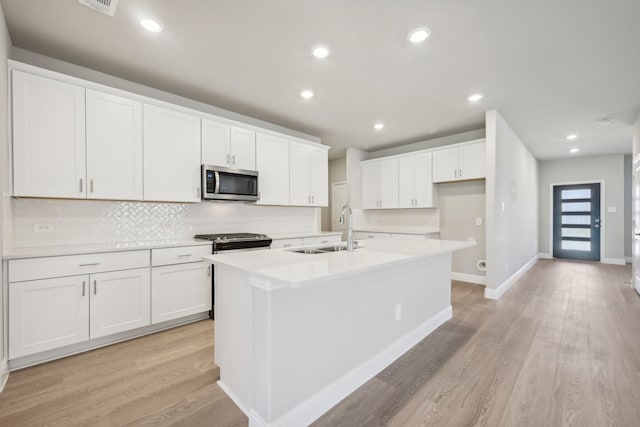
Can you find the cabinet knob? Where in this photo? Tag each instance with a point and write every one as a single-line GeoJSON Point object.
{"type": "Point", "coordinates": [81, 184]}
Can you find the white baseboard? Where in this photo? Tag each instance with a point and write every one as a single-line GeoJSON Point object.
{"type": "Point", "coordinates": [545, 255]}
{"type": "Point", "coordinates": [615, 261]}
{"type": "Point", "coordinates": [496, 293]}
{"type": "Point", "coordinates": [628, 259]}
{"type": "Point", "coordinates": [471, 278]}
{"type": "Point", "coordinates": [4, 373]}
{"type": "Point", "coordinates": [311, 409]}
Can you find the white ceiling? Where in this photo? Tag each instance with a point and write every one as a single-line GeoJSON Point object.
{"type": "Point", "coordinates": [550, 67]}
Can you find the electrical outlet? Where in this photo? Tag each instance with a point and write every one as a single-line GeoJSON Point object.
{"type": "Point", "coordinates": [478, 221]}
{"type": "Point", "coordinates": [502, 206]}
{"type": "Point", "coordinates": [41, 227]}
{"type": "Point", "coordinates": [398, 311]}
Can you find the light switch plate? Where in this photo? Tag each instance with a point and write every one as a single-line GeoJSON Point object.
{"type": "Point", "coordinates": [478, 221]}
{"type": "Point", "coordinates": [612, 209]}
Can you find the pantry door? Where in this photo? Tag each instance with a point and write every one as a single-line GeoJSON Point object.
{"type": "Point", "coordinates": [576, 222]}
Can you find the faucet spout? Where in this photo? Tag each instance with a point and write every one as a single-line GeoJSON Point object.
{"type": "Point", "coordinates": [347, 208]}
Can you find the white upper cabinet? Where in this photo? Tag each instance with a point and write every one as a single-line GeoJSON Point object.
{"type": "Point", "coordinates": [48, 137]}
{"type": "Point", "coordinates": [114, 147]}
{"type": "Point", "coordinates": [229, 146]}
{"type": "Point", "coordinates": [171, 155]}
{"type": "Point", "coordinates": [415, 189]}
{"type": "Point", "coordinates": [459, 163]}
{"type": "Point", "coordinates": [272, 161]}
{"type": "Point", "coordinates": [308, 170]}
{"type": "Point", "coordinates": [380, 184]}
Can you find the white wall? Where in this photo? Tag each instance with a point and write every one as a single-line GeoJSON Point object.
{"type": "Point", "coordinates": [610, 170]}
{"type": "Point", "coordinates": [512, 182]}
{"type": "Point", "coordinates": [5, 45]}
{"type": "Point", "coordinates": [78, 222]}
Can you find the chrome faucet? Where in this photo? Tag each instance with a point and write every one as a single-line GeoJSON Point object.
{"type": "Point", "coordinates": [350, 232]}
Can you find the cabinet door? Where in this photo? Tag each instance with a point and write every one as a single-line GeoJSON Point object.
{"type": "Point", "coordinates": [445, 165]}
{"type": "Point", "coordinates": [370, 185]}
{"type": "Point", "coordinates": [180, 290]}
{"type": "Point", "coordinates": [120, 301]}
{"type": "Point", "coordinates": [243, 149]}
{"type": "Point", "coordinates": [389, 183]}
{"type": "Point", "coordinates": [114, 147]}
{"type": "Point", "coordinates": [171, 155]}
{"type": "Point", "coordinates": [406, 182]}
{"type": "Point", "coordinates": [272, 161]}
{"type": "Point", "coordinates": [216, 138]}
{"type": "Point", "coordinates": [48, 137]}
{"type": "Point", "coordinates": [472, 161]}
{"type": "Point", "coordinates": [299, 190]}
{"type": "Point", "coordinates": [422, 181]}
{"type": "Point", "coordinates": [47, 314]}
{"type": "Point", "coordinates": [319, 176]}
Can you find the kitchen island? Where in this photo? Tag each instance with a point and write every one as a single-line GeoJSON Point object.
{"type": "Point", "coordinates": [296, 333]}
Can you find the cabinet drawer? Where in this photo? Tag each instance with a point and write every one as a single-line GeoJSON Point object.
{"type": "Point", "coordinates": [319, 240]}
{"type": "Point", "coordinates": [180, 255]}
{"type": "Point", "coordinates": [363, 235]}
{"type": "Point", "coordinates": [286, 243]}
{"type": "Point", "coordinates": [73, 265]}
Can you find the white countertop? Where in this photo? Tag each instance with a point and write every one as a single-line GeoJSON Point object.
{"type": "Point", "coordinates": [278, 236]}
{"type": "Point", "coordinates": [42, 251]}
{"type": "Point", "coordinates": [280, 268]}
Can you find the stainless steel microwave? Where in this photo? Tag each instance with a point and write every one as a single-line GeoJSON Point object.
{"type": "Point", "coordinates": [220, 183]}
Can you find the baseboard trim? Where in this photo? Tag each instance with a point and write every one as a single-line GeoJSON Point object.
{"type": "Point", "coordinates": [496, 293]}
{"type": "Point", "coordinates": [312, 408]}
{"type": "Point", "coordinates": [471, 278]}
{"type": "Point", "coordinates": [628, 259]}
{"type": "Point", "coordinates": [235, 399]}
{"type": "Point", "coordinates": [614, 261]}
{"type": "Point", "coordinates": [545, 255]}
{"type": "Point", "coordinates": [4, 373]}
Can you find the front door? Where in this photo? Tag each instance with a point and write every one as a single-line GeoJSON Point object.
{"type": "Point", "coordinates": [576, 222]}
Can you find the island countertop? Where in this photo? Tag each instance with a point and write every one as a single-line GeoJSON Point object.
{"type": "Point", "coordinates": [281, 268]}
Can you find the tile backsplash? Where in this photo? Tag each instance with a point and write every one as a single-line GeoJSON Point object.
{"type": "Point", "coordinates": [90, 221]}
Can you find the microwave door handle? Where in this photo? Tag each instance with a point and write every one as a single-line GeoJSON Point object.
{"type": "Point", "coordinates": [217, 189]}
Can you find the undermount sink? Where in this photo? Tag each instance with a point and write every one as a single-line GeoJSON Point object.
{"type": "Point", "coordinates": [322, 249]}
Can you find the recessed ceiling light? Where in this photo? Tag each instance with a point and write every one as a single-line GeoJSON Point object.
{"type": "Point", "coordinates": [320, 51]}
{"type": "Point", "coordinates": [572, 137]}
{"type": "Point", "coordinates": [150, 25]}
{"type": "Point", "coordinates": [573, 150]}
{"type": "Point", "coordinates": [378, 126]}
{"type": "Point", "coordinates": [475, 97]}
{"type": "Point", "coordinates": [307, 94]}
{"type": "Point", "coordinates": [606, 121]}
{"type": "Point", "coordinates": [419, 35]}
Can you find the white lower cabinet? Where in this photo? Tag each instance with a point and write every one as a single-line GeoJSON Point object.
{"type": "Point", "coordinates": [180, 290]}
{"type": "Point", "coordinates": [119, 301]}
{"type": "Point", "coordinates": [46, 314]}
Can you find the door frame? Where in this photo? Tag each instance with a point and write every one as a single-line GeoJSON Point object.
{"type": "Point", "coordinates": [331, 202]}
{"type": "Point", "coordinates": [603, 222]}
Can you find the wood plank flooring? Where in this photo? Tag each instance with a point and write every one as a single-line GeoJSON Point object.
{"type": "Point", "coordinates": [561, 348]}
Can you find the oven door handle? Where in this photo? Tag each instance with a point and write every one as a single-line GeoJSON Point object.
{"type": "Point", "coordinates": [217, 189]}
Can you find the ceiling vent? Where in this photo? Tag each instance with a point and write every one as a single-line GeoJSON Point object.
{"type": "Point", "coordinates": [108, 7]}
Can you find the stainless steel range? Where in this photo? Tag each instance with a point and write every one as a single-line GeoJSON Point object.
{"type": "Point", "coordinates": [230, 242]}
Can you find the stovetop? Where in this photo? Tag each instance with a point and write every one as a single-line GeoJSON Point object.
{"type": "Point", "coordinates": [233, 237]}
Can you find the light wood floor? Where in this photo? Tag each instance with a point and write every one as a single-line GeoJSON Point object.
{"type": "Point", "coordinates": [562, 347]}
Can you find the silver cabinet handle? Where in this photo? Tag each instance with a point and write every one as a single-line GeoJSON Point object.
{"type": "Point", "coordinates": [209, 271]}
{"type": "Point", "coordinates": [95, 287]}
{"type": "Point", "coordinates": [84, 285]}
{"type": "Point", "coordinates": [233, 159]}
{"type": "Point", "coordinates": [91, 186]}
{"type": "Point", "coordinates": [313, 199]}
{"type": "Point", "coordinates": [460, 172]}
{"type": "Point", "coordinates": [90, 264]}
{"type": "Point", "coordinates": [197, 192]}
{"type": "Point", "coordinates": [227, 162]}
{"type": "Point", "coordinates": [288, 245]}
{"type": "Point", "coordinates": [184, 255]}
{"type": "Point", "coordinates": [81, 184]}
{"type": "Point", "coordinates": [324, 241]}
{"type": "Point", "coordinates": [455, 173]}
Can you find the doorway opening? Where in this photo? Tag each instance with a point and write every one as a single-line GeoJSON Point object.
{"type": "Point", "coordinates": [576, 222]}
